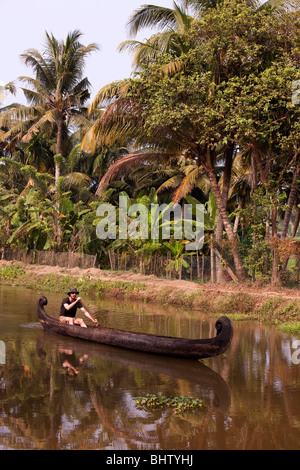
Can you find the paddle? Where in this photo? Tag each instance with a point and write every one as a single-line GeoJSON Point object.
{"type": "Point", "coordinates": [92, 315]}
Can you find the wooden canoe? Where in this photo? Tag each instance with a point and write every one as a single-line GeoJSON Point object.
{"type": "Point", "coordinates": [150, 343]}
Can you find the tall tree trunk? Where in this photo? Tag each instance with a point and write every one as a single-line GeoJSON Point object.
{"type": "Point", "coordinates": [237, 219]}
{"type": "Point", "coordinates": [258, 163]}
{"type": "Point", "coordinates": [59, 141]}
{"type": "Point", "coordinates": [240, 273]}
{"type": "Point", "coordinates": [295, 228]}
{"type": "Point", "coordinates": [228, 154]}
{"type": "Point", "coordinates": [287, 216]}
{"type": "Point", "coordinates": [60, 124]}
{"type": "Point", "coordinates": [296, 223]}
{"type": "Point", "coordinates": [275, 280]}
{"type": "Point", "coordinates": [212, 261]}
{"type": "Point", "coordinates": [291, 200]}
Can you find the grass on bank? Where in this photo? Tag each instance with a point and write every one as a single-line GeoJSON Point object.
{"type": "Point", "coordinates": [291, 328]}
{"type": "Point", "coordinates": [59, 283]}
{"type": "Point", "coordinates": [237, 306]}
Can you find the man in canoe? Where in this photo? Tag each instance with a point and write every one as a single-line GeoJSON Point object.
{"type": "Point", "coordinates": [69, 307]}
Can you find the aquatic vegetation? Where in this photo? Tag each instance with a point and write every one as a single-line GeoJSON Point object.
{"type": "Point", "coordinates": [179, 404]}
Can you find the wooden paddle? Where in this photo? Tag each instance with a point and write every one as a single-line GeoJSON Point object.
{"type": "Point", "coordinates": [92, 315]}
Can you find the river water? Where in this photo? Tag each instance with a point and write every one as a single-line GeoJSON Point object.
{"type": "Point", "coordinates": [60, 393]}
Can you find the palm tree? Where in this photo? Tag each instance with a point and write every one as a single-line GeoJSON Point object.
{"type": "Point", "coordinates": [56, 94]}
{"type": "Point", "coordinates": [172, 23]}
{"type": "Point", "coordinates": [112, 97]}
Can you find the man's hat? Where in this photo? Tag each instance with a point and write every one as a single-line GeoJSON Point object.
{"type": "Point", "coordinates": [73, 291]}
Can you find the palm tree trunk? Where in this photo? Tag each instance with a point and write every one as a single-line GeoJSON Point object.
{"type": "Point", "coordinates": [240, 273]}
{"type": "Point", "coordinates": [296, 224]}
{"type": "Point", "coordinates": [59, 140]}
{"type": "Point", "coordinates": [257, 160]}
{"type": "Point", "coordinates": [226, 184]}
{"type": "Point", "coordinates": [275, 280]}
{"type": "Point", "coordinates": [291, 201]}
{"type": "Point", "coordinates": [60, 124]}
{"type": "Point", "coordinates": [288, 212]}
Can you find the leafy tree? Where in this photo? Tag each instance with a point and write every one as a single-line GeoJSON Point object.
{"type": "Point", "coordinates": [172, 23]}
{"type": "Point", "coordinates": [56, 94]}
{"type": "Point", "coordinates": [233, 91]}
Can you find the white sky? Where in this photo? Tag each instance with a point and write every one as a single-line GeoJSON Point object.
{"type": "Point", "coordinates": [23, 26]}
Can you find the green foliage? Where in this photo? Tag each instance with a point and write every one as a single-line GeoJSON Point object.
{"type": "Point", "coordinates": [291, 328]}
{"type": "Point", "coordinates": [32, 221]}
{"type": "Point", "coordinates": [179, 404]}
{"type": "Point", "coordinates": [177, 247]}
{"type": "Point", "coordinates": [205, 83]}
{"type": "Point", "coordinates": [256, 218]}
{"type": "Point", "coordinates": [11, 272]}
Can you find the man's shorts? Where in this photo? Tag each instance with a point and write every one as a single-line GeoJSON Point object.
{"type": "Point", "coordinates": [63, 319]}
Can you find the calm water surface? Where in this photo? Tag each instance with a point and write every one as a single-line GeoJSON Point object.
{"type": "Point", "coordinates": [59, 393]}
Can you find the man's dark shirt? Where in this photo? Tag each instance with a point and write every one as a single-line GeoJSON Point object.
{"type": "Point", "coordinates": [72, 311]}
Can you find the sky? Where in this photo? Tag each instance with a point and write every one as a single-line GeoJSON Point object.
{"type": "Point", "coordinates": [24, 23]}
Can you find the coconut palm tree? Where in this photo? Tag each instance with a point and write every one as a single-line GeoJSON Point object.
{"type": "Point", "coordinates": [171, 22]}
{"type": "Point", "coordinates": [56, 94]}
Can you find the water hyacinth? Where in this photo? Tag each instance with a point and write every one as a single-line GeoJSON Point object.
{"type": "Point", "coordinates": [179, 404]}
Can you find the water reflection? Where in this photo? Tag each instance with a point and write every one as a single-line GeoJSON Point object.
{"type": "Point", "coordinates": [74, 355]}
{"type": "Point", "coordinates": [69, 362]}
{"type": "Point", "coordinates": [61, 393]}
{"type": "Point", "coordinates": [120, 377]}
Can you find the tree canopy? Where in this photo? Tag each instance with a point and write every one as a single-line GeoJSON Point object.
{"type": "Point", "coordinates": [210, 109]}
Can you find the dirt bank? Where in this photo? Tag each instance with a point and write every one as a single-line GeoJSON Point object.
{"type": "Point", "coordinates": [158, 284]}
{"type": "Point", "coordinates": [248, 299]}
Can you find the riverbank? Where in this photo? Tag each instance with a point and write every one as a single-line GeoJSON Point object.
{"type": "Point", "coordinates": [238, 301]}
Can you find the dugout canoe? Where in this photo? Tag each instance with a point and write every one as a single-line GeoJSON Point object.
{"type": "Point", "coordinates": [149, 343]}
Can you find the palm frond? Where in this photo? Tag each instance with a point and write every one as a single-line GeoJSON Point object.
{"type": "Point", "coordinates": [142, 52]}
{"type": "Point", "coordinates": [170, 183]}
{"type": "Point", "coordinates": [44, 73]}
{"type": "Point", "coordinates": [197, 6]}
{"type": "Point", "coordinates": [73, 158]}
{"type": "Point", "coordinates": [173, 67]}
{"type": "Point", "coordinates": [48, 117]}
{"type": "Point", "coordinates": [187, 184]}
{"type": "Point", "coordinates": [129, 162]}
{"type": "Point", "coordinates": [33, 97]}
{"type": "Point", "coordinates": [77, 180]}
{"type": "Point", "coordinates": [10, 86]}
{"type": "Point", "coordinates": [151, 16]}
{"type": "Point", "coordinates": [109, 92]}
{"type": "Point", "coordinates": [35, 85]}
